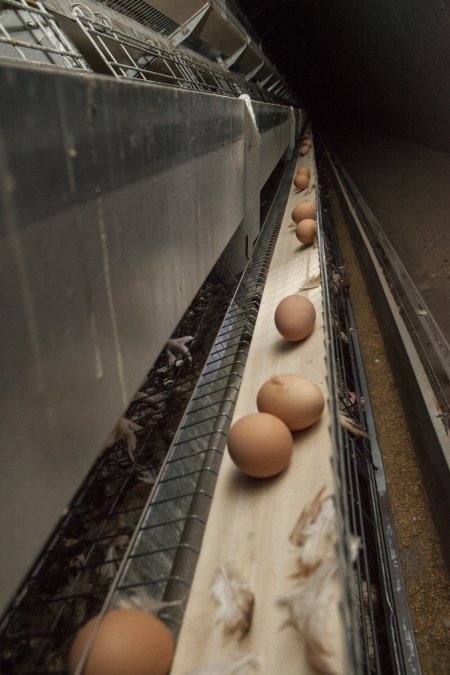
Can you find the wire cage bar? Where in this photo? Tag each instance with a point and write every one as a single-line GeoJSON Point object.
{"type": "Point", "coordinates": [73, 575]}
{"type": "Point", "coordinates": [30, 33]}
{"type": "Point", "coordinates": [130, 57]}
{"type": "Point", "coordinates": [163, 555]}
{"type": "Point", "coordinates": [78, 567]}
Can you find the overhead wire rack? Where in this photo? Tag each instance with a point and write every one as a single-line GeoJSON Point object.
{"type": "Point", "coordinates": [132, 57]}
{"type": "Point", "coordinates": [132, 39]}
{"type": "Point", "coordinates": [30, 33]}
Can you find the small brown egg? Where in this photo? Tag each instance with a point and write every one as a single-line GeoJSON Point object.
{"type": "Point", "coordinates": [307, 142]}
{"type": "Point", "coordinates": [304, 170]}
{"type": "Point", "coordinates": [306, 231]}
{"type": "Point", "coordinates": [301, 181]}
{"type": "Point", "coordinates": [303, 210]}
{"type": "Point", "coordinates": [295, 316]}
{"type": "Point", "coordinates": [260, 445]}
{"type": "Point", "coordinates": [294, 399]}
{"type": "Point", "coordinates": [303, 150]}
{"type": "Point", "coordinates": [128, 642]}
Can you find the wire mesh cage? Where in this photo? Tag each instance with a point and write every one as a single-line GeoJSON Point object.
{"type": "Point", "coordinates": [131, 57]}
{"type": "Point", "coordinates": [136, 524]}
{"type": "Point", "coordinates": [30, 33]}
{"type": "Point", "coordinates": [70, 581]}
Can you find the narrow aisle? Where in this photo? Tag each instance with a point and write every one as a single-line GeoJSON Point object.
{"type": "Point", "coordinates": [407, 187]}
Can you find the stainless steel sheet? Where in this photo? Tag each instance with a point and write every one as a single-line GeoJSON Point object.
{"type": "Point", "coordinates": [274, 123]}
{"type": "Point", "coordinates": [116, 201]}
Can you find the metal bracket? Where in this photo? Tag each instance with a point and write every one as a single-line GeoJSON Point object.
{"type": "Point", "coordinates": [253, 72]}
{"type": "Point", "coordinates": [240, 247]}
{"type": "Point", "coordinates": [272, 86]}
{"type": "Point", "coordinates": [234, 57]}
{"type": "Point", "coordinates": [263, 83]}
{"type": "Point", "coordinates": [183, 31]}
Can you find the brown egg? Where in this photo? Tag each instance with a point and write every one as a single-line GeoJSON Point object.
{"type": "Point", "coordinates": [306, 231]}
{"type": "Point", "coordinates": [303, 210]}
{"type": "Point", "coordinates": [303, 150]}
{"type": "Point", "coordinates": [294, 399]}
{"type": "Point", "coordinates": [301, 181]}
{"type": "Point", "coordinates": [295, 316]}
{"type": "Point", "coordinates": [260, 445]}
{"type": "Point", "coordinates": [304, 170]}
{"type": "Point", "coordinates": [128, 642]}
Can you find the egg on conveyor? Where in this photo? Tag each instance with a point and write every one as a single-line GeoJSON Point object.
{"type": "Point", "coordinates": [294, 317]}
{"type": "Point", "coordinates": [260, 445]}
{"type": "Point", "coordinates": [128, 642]}
{"type": "Point", "coordinates": [303, 210]}
{"type": "Point", "coordinates": [292, 398]}
{"type": "Point", "coordinates": [301, 181]}
{"type": "Point", "coordinates": [306, 231]}
{"type": "Point", "coordinates": [304, 170]}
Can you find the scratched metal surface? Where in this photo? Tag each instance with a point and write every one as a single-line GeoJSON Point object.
{"type": "Point", "coordinates": [116, 201]}
{"type": "Point", "coordinates": [274, 124]}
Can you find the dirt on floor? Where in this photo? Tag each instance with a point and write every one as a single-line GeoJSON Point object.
{"type": "Point", "coordinates": [426, 578]}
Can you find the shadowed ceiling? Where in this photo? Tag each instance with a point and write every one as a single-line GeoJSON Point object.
{"type": "Point", "coordinates": [378, 63]}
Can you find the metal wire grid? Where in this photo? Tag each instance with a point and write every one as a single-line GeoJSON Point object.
{"type": "Point", "coordinates": [167, 543]}
{"type": "Point", "coordinates": [382, 618]}
{"type": "Point", "coordinates": [144, 13]}
{"type": "Point", "coordinates": [91, 540]}
{"type": "Point", "coordinates": [30, 33]}
{"type": "Point", "coordinates": [133, 58]}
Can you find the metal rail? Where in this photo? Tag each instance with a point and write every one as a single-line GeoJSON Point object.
{"type": "Point", "coordinates": [387, 637]}
{"type": "Point", "coordinates": [420, 354]}
{"type": "Point", "coordinates": [29, 32]}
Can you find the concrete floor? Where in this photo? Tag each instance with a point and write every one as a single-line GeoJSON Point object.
{"type": "Point", "coordinates": [407, 187]}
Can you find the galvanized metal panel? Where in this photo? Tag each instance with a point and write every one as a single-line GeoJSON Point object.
{"type": "Point", "coordinates": [116, 200]}
{"type": "Point", "coordinates": [274, 123]}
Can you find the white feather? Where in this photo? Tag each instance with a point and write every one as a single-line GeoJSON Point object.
{"type": "Point", "coordinates": [234, 599]}
{"type": "Point", "coordinates": [317, 537]}
{"type": "Point", "coordinates": [308, 604]}
{"type": "Point", "coordinates": [139, 598]}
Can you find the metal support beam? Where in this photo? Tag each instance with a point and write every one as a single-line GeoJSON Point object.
{"type": "Point", "coordinates": [263, 83]}
{"type": "Point", "coordinates": [254, 72]}
{"type": "Point", "coordinates": [240, 248]}
{"type": "Point", "coordinates": [234, 57]}
{"type": "Point", "coordinates": [183, 31]}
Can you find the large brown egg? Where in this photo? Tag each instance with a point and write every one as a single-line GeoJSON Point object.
{"type": "Point", "coordinates": [303, 210]}
{"type": "Point", "coordinates": [304, 170]}
{"type": "Point", "coordinates": [294, 399]}
{"type": "Point", "coordinates": [306, 231]}
{"type": "Point", "coordinates": [303, 150]}
{"type": "Point", "coordinates": [260, 445]}
{"type": "Point", "coordinates": [294, 317]}
{"type": "Point", "coordinates": [128, 642]}
{"type": "Point", "coordinates": [301, 181]}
